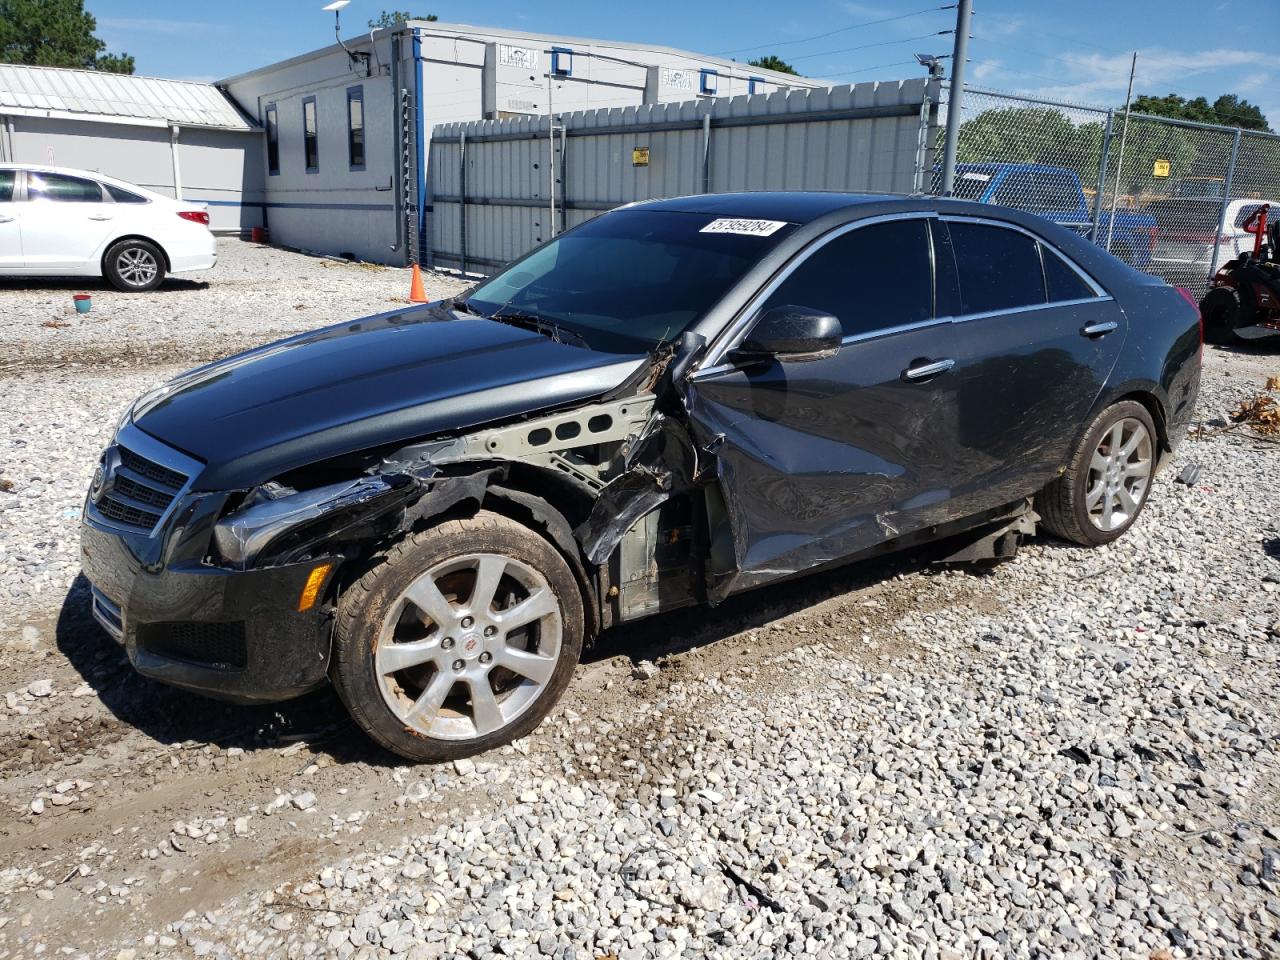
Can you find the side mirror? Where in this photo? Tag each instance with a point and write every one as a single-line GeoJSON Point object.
{"type": "Point", "coordinates": [791, 333]}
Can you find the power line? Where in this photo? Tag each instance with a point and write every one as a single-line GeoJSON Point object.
{"type": "Point", "coordinates": [832, 33]}
{"type": "Point", "coordinates": [867, 46]}
{"type": "Point", "coordinates": [878, 66]}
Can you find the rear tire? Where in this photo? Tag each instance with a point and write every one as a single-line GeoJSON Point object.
{"type": "Point", "coordinates": [461, 638]}
{"type": "Point", "coordinates": [134, 266]}
{"type": "Point", "coordinates": [1107, 481]}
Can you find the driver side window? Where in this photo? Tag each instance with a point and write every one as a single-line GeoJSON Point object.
{"type": "Point", "coordinates": [872, 278]}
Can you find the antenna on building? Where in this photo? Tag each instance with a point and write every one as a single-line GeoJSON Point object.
{"type": "Point", "coordinates": [354, 55]}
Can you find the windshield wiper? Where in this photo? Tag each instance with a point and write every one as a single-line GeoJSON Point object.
{"type": "Point", "coordinates": [538, 324]}
{"type": "Point", "coordinates": [465, 306]}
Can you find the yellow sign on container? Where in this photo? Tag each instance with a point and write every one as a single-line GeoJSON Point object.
{"type": "Point", "coordinates": [1160, 168]}
{"type": "Point", "coordinates": [639, 156]}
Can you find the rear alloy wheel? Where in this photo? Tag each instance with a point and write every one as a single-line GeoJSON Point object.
{"type": "Point", "coordinates": [134, 266]}
{"type": "Point", "coordinates": [1106, 484]}
{"type": "Point", "coordinates": [461, 641]}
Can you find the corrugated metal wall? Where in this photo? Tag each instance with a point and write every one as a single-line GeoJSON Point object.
{"type": "Point", "coordinates": [869, 137]}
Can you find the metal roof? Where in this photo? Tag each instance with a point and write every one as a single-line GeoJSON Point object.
{"type": "Point", "coordinates": [94, 95]}
{"type": "Point", "coordinates": [478, 34]}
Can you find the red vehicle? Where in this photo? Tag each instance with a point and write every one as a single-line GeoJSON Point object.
{"type": "Point", "coordinates": [1243, 303]}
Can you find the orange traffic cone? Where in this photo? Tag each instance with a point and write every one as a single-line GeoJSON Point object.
{"type": "Point", "coordinates": [416, 293]}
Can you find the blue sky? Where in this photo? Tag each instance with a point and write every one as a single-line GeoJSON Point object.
{"type": "Point", "coordinates": [1077, 51]}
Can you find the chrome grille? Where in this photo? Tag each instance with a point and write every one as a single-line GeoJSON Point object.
{"type": "Point", "coordinates": [113, 509]}
{"type": "Point", "coordinates": [151, 471]}
{"type": "Point", "coordinates": [141, 480]}
{"type": "Point", "coordinates": [140, 492]}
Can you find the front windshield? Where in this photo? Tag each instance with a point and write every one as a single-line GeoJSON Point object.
{"type": "Point", "coordinates": [631, 279]}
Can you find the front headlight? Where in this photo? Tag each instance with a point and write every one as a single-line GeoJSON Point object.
{"type": "Point", "coordinates": [274, 513]}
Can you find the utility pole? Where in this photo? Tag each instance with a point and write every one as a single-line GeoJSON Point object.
{"type": "Point", "coordinates": [959, 52]}
{"type": "Point", "coordinates": [1124, 133]}
{"type": "Point", "coordinates": [551, 149]}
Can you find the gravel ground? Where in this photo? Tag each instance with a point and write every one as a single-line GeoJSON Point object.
{"type": "Point", "coordinates": [1073, 754]}
{"type": "Point", "coordinates": [254, 295]}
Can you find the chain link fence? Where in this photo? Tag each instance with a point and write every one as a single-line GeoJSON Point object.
{"type": "Point", "coordinates": [1167, 196]}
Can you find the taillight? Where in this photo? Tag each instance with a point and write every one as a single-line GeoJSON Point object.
{"type": "Point", "coordinates": [195, 216]}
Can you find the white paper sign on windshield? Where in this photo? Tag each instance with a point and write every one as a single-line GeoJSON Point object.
{"type": "Point", "coordinates": [751, 228]}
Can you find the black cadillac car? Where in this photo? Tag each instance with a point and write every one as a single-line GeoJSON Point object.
{"type": "Point", "coordinates": [434, 508]}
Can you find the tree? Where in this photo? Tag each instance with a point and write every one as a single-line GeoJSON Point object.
{"type": "Point", "coordinates": [773, 62]}
{"type": "Point", "coordinates": [389, 18]}
{"type": "Point", "coordinates": [1031, 135]}
{"type": "Point", "coordinates": [1234, 111]}
{"type": "Point", "coordinates": [1228, 110]}
{"type": "Point", "coordinates": [55, 33]}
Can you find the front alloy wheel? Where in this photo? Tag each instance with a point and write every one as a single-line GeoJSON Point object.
{"type": "Point", "coordinates": [469, 646]}
{"type": "Point", "coordinates": [459, 639]}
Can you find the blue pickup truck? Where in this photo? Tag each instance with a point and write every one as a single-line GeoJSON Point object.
{"type": "Point", "coordinates": [1056, 194]}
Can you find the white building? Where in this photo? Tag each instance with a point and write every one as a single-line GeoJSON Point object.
{"type": "Point", "coordinates": [328, 149]}
{"type": "Point", "coordinates": [346, 129]}
{"type": "Point", "coordinates": [184, 140]}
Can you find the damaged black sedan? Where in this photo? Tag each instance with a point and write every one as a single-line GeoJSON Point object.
{"type": "Point", "coordinates": [434, 508]}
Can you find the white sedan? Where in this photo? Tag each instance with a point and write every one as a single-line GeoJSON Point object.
{"type": "Point", "coordinates": [60, 222]}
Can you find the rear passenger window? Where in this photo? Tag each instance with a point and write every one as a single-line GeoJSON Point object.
{"type": "Point", "coordinates": [7, 177]}
{"type": "Point", "coordinates": [59, 186]}
{"type": "Point", "coordinates": [120, 195]}
{"type": "Point", "coordinates": [871, 278]}
{"type": "Point", "coordinates": [998, 269]}
{"type": "Point", "coordinates": [1063, 283]}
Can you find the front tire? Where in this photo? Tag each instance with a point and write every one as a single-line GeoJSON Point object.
{"type": "Point", "coordinates": [1107, 481]}
{"type": "Point", "coordinates": [461, 639]}
{"type": "Point", "coordinates": [134, 266]}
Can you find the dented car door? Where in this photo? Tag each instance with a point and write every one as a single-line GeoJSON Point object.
{"type": "Point", "coordinates": [818, 460]}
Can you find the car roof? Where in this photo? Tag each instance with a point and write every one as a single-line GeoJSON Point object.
{"type": "Point", "coordinates": [50, 168]}
{"type": "Point", "coordinates": [999, 167]}
{"type": "Point", "coordinates": [791, 206]}
{"type": "Point", "coordinates": [808, 206]}
{"type": "Point", "coordinates": [91, 174]}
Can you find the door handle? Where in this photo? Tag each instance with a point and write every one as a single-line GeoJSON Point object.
{"type": "Point", "coordinates": [922, 370]}
{"type": "Point", "coordinates": [99, 217]}
{"type": "Point", "coordinates": [1095, 330]}
{"type": "Point", "coordinates": [4, 219]}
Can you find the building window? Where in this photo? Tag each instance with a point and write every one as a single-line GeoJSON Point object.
{"type": "Point", "coordinates": [355, 127]}
{"type": "Point", "coordinates": [310, 135]}
{"type": "Point", "coordinates": [273, 141]}
{"type": "Point", "coordinates": [753, 84]}
{"type": "Point", "coordinates": [561, 62]}
{"type": "Point", "coordinates": [707, 84]}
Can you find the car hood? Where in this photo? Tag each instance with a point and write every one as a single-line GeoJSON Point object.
{"type": "Point", "coordinates": [383, 379]}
